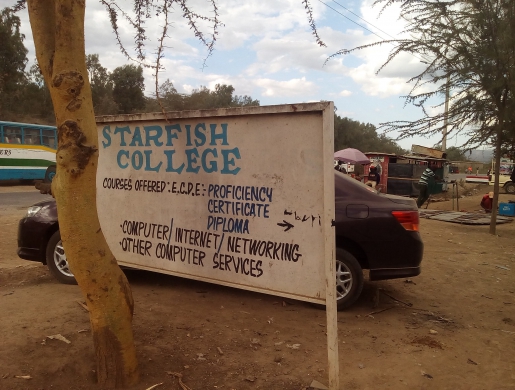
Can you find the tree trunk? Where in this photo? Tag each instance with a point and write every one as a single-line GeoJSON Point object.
{"type": "Point", "coordinates": [495, 200]}
{"type": "Point", "coordinates": [58, 31]}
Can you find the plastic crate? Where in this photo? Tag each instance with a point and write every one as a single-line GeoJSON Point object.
{"type": "Point", "coordinates": [507, 209]}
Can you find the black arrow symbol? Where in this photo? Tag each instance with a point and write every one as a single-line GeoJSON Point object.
{"type": "Point", "coordinates": [285, 224]}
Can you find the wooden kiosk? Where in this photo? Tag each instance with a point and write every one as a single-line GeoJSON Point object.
{"type": "Point", "coordinates": [400, 174]}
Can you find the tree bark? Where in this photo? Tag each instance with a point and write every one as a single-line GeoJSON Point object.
{"type": "Point", "coordinates": [58, 31]}
{"type": "Point", "coordinates": [495, 200]}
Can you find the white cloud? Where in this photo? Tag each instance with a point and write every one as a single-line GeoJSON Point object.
{"type": "Point", "coordinates": [293, 87]}
{"type": "Point", "coordinates": [391, 80]}
{"type": "Point", "coordinates": [297, 50]}
{"type": "Point", "coordinates": [280, 43]}
{"type": "Point", "coordinates": [342, 114]}
{"type": "Point", "coordinates": [187, 88]}
{"type": "Point", "coordinates": [248, 19]}
{"type": "Point", "coordinates": [266, 50]}
{"type": "Point", "coordinates": [374, 85]}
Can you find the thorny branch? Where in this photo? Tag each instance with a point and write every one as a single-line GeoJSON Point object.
{"type": "Point", "coordinates": [311, 20]}
{"type": "Point", "coordinates": [146, 9]}
{"type": "Point", "coordinates": [159, 55]}
{"type": "Point", "coordinates": [20, 4]}
{"type": "Point", "coordinates": [465, 46]}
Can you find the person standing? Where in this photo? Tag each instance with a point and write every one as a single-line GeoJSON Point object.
{"type": "Point", "coordinates": [373, 177]}
{"type": "Point", "coordinates": [426, 179]}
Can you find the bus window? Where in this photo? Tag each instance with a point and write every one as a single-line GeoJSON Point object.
{"type": "Point", "coordinates": [31, 137]}
{"type": "Point", "coordinates": [49, 138]}
{"type": "Point", "coordinates": [3, 136]}
{"type": "Point", "coordinates": [13, 134]}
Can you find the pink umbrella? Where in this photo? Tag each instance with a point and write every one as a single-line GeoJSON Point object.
{"type": "Point", "coordinates": [352, 156]}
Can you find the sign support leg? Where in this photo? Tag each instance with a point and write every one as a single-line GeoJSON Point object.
{"type": "Point", "coordinates": [332, 325]}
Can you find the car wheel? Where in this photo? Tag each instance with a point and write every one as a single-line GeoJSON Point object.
{"type": "Point", "coordinates": [349, 279]}
{"type": "Point", "coordinates": [510, 188]}
{"type": "Point", "coordinates": [56, 260]}
{"type": "Point", "coordinates": [49, 174]}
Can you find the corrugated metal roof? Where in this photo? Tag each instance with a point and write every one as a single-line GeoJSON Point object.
{"type": "Point", "coordinates": [461, 217]}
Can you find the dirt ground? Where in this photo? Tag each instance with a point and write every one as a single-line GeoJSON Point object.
{"type": "Point", "coordinates": [452, 327]}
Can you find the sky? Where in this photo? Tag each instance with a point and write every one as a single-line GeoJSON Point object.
{"type": "Point", "coordinates": [266, 50]}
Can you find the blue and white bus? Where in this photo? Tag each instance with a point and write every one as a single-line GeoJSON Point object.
{"type": "Point", "coordinates": [27, 152]}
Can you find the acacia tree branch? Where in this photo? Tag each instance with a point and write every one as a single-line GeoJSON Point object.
{"type": "Point", "coordinates": [111, 9]}
{"type": "Point", "coordinates": [192, 18]}
{"type": "Point", "coordinates": [145, 9]}
{"type": "Point", "coordinates": [20, 4]}
{"type": "Point", "coordinates": [463, 39]}
{"type": "Point", "coordinates": [159, 55]}
{"type": "Point", "coordinates": [43, 26]}
{"type": "Point", "coordinates": [311, 20]}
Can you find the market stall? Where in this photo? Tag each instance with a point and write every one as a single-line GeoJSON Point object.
{"type": "Point", "coordinates": [400, 174]}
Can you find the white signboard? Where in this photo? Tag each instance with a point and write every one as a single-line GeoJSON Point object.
{"type": "Point", "coordinates": [239, 197]}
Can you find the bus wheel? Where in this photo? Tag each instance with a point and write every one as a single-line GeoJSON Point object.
{"type": "Point", "coordinates": [49, 174]}
{"type": "Point", "coordinates": [510, 188]}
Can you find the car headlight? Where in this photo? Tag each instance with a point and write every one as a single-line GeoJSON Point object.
{"type": "Point", "coordinates": [33, 210]}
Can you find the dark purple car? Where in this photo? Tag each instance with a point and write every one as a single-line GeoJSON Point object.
{"type": "Point", "coordinates": [374, 231]}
